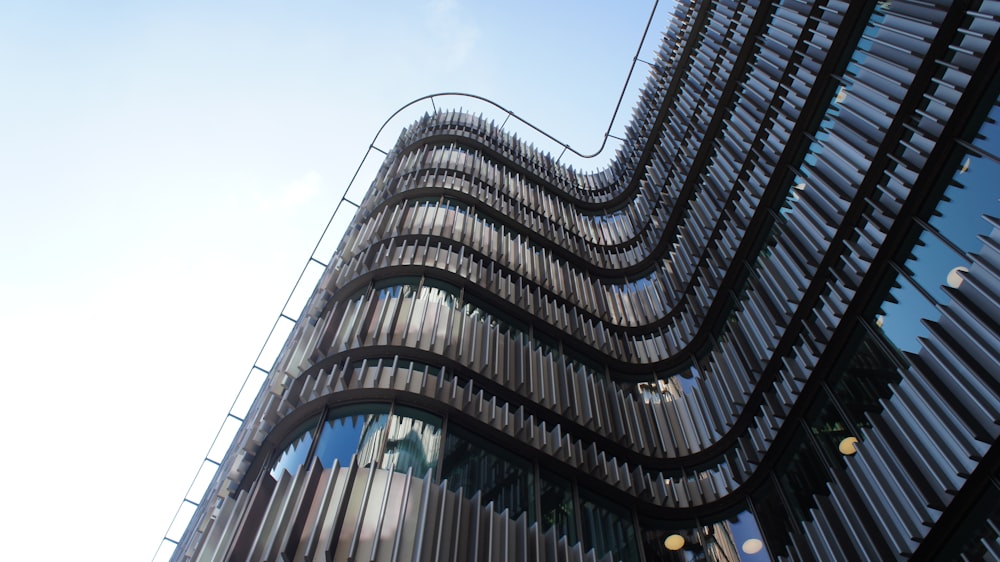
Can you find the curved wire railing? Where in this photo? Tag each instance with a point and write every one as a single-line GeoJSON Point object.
{"type": "Point", "coordinates": [329, 239]}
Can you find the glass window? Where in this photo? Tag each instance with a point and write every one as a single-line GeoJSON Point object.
{"type": "Point", "coordinates": [474, 465]}
{"type": "Point", "coordinates": [557, 506]}
{"type": "Point", "coordinates": [294, 454]}
{"type": "Point", "coordinates": [348, 427]}
{"type": "Point", "coordinates": [743, 534]}
{"type": "Point", "coordinates": [413, 441]}
{"type": "Point", "coordinates": [733, 539]}
{"type": "Point", "coordinates": [499, 320]}
{"type": "Point", "coordinates": [940, 255]}
{"type": "Point", "coordinates": [776, 525]}
{"type": "Point", "coordinates": [830, 431]}
{"type": "Point", "coordinates": [868, 380]}
{"type": "Point", "coordinates": [978, 536]}
{"type": "Point", "coordinates": [606, 529]}
{"type": "Point", "coordinates": [802, 475]}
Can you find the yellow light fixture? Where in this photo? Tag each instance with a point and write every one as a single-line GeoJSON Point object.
{"type": "Point", "coordinates": [752, 546]}
{"type": "Point", "coordinates": [848, 446]}
{"type": "Point", "coordinates": [674, 542]}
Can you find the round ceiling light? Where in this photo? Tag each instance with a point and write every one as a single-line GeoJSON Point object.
{"type": "Point", "coordinates": [955, 278]}
{"type": "Point", "coordinates": [752, 546]}
{"type": "Point", "coordinates": [848, 446]}
{"type": "Point", "coordinates": [674, 542]}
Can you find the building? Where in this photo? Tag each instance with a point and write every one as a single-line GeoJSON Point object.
{"type": "Point", "coordinates": [768, 330]}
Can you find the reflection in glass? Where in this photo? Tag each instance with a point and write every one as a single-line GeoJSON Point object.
{"type": "Point", "coordinates": [476, 466]}
{"type": "Point", "coordinates": [735, 538]}
{"type": "Point", "coordinates": [413, 442]}
{"type": "Point", "coordinates": [372, 439]}
{"type": "Point", "coordinates": [829, 430]}
{"type": "Point", "coordinates": [978, 535]}
{"type": "Point", "coordinates": [746, 535]}
{"type": "Point", "coordinates": [946, 239]}
{"type": "Point", "coordinates": [776, 525]}
{"type": "Point", "coordinates": [343, 431]}
{"type": "Point", "coordinates": [801, 475]}
{"type": "Point", "coordinates": [408, 439]}
{"type": "Point", "coordinates": [557, 505]}
{"type": "Point", "coordinates": [294, 454]}
{"type": "Point", "coordinates": [608, 530]}
{"type": "Point", "coordinates": [866, 382]}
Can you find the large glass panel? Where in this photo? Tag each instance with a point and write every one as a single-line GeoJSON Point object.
{"type": "Point", "coordinates": [294, 454]}
{"type": "Point", "coordinates": [866, 382]}
{"type": "Point", "coordinates": [413, 442]}
{"type": "Point", "coordinates": [834, 438]}
{"type": "Point", "coordinates": [802, 475]}
{"type": "Point", "coordinates": [973, 190]}
{"type": "Point", "coordinates": [978, 535]}
{"type": "Point", "coordinates": [557, 506]}
{"type": "Point", "coordinates": [903, 312]}
{"type": "Point", "coordinates": [733, 539]}
{"type": "Point", "coordinates": [372, 441]}
{"type": "Point", "coordinates": [939, 258]}
{"type": "Point", "coordinates": [776, 525]}
{"type": "Point", "coordinates": [667, 541]}
{"type": "Point", "coordinates": [744, 534]}
{"type": "Point", "coordinates": [345, 429]}
{"type": "Point", "coordinates": [474, 465]}
{"type": "Point", "coordinates": [607, 529]}
{"type": "Point", "coordinates": [408, 439]}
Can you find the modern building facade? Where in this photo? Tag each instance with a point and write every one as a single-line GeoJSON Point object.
{"type": "Point", "coordinates": [768, 330]}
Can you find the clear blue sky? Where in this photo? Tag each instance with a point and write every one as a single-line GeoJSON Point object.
{"type": "Point", "coordinates": [165, 168]}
